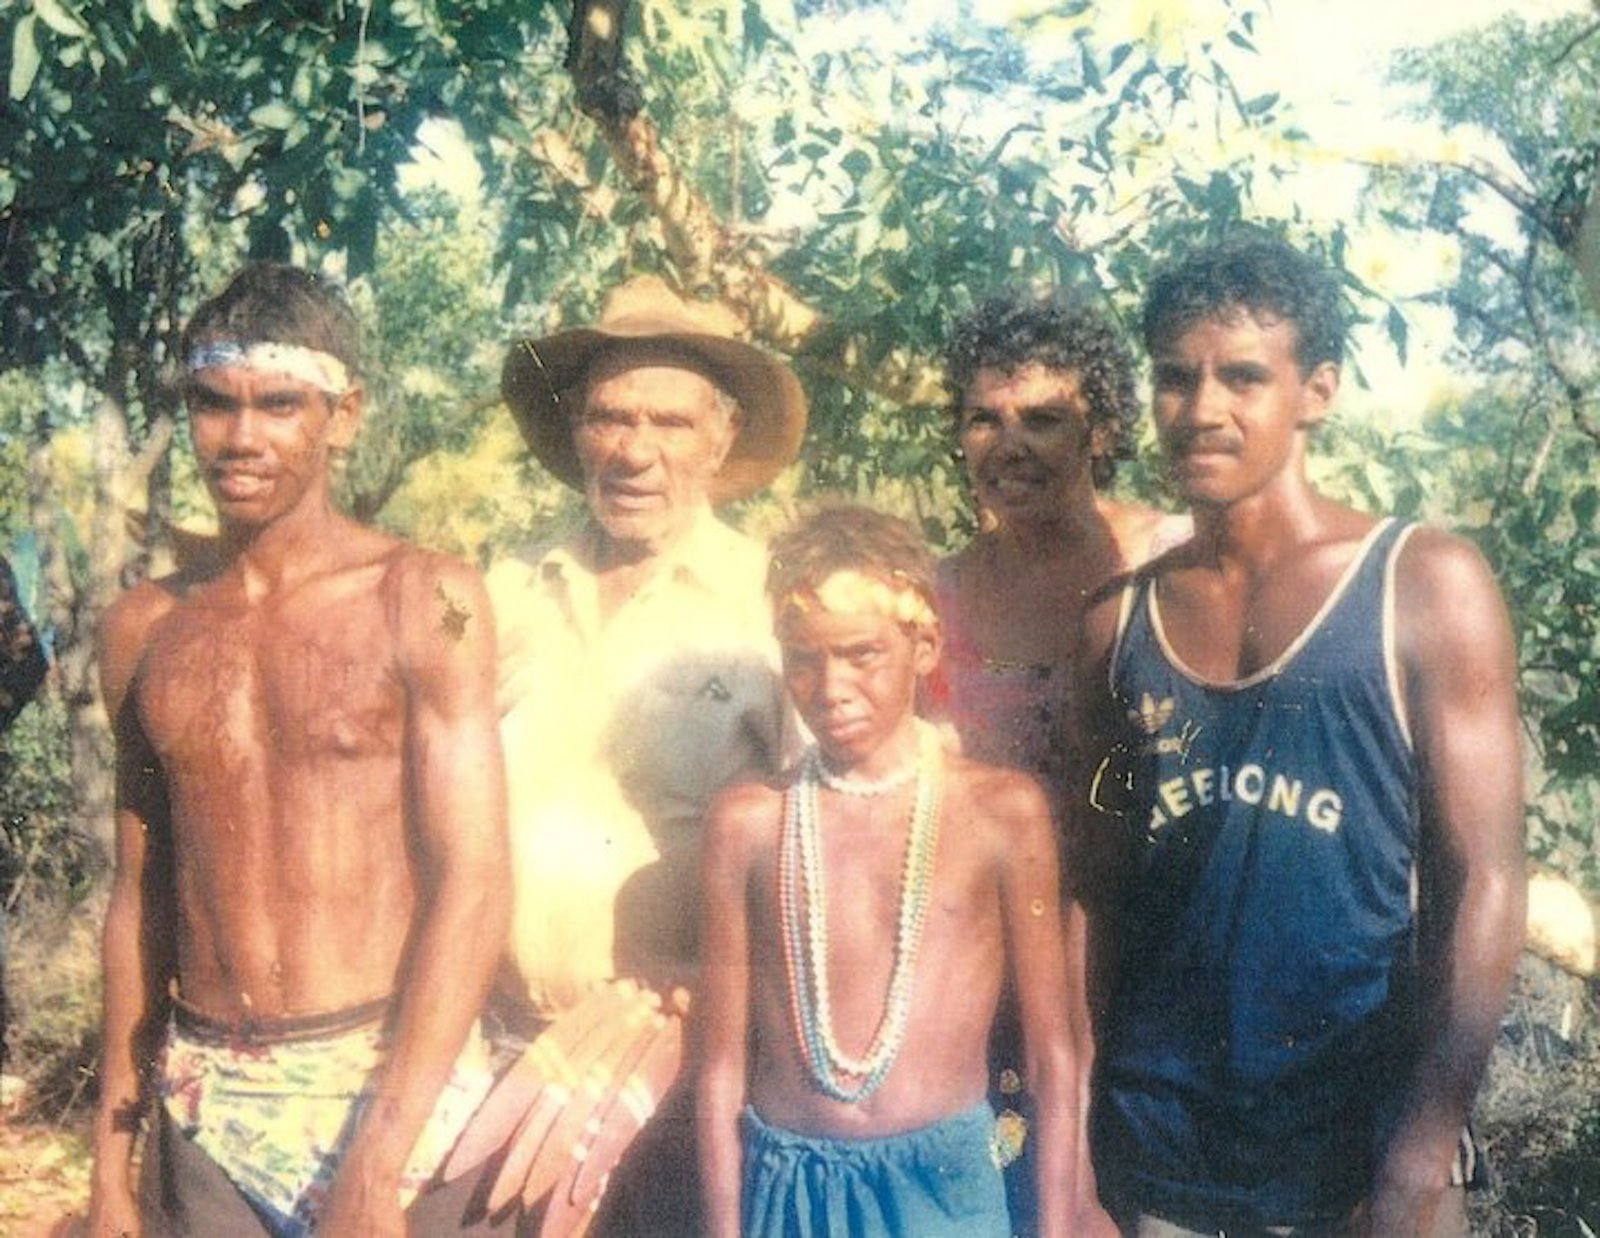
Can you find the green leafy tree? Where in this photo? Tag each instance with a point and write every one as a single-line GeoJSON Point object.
{"type": "Point", "coordinates": [852, 187]}
{"type": "Point", "coordinates": [144, 149]}
{"type": "Point", "coordinates": [1515, 458]}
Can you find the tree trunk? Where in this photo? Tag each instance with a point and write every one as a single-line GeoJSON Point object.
{"type": "Point", "coordinates": [1588, 248]}
{"type": "Point", "coordinates": [76, 599]}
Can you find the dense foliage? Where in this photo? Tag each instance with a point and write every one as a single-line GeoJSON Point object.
{"type": "Point", "coordinates": [1511, 460]}
{"type": "Point", "coordinates": [879, 170]}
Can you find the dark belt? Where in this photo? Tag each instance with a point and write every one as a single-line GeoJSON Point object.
{"type": "Point", "coordinates": [280, 1029]}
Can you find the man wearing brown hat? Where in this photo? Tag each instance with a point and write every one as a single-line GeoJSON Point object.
{"type": "Point", "coordinates": [638, 677]}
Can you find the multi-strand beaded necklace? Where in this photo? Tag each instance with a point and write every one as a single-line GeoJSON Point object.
{"type": "Point", "coordinates": [803, 911]}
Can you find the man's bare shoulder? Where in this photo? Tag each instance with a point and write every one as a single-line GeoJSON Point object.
{"type": "Point", "coordinates": [1446, 593]}
{"type": "Point", "coordinates": [1143, 532]}
{"type": "Point", "coordinates": [1437, 567]}
{"type": "Point", "coordinates": [413, 569]}
{"type": "Point", "coordinates": [752, 803]}
{"type": "Point", "coordinates": [433, 592]}
{"type": "Point", "coordinates": [141, 607]}
{"type": "Point", "coordinates": [126, 629]}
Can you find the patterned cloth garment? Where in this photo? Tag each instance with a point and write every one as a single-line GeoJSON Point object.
{"type": "Point", "coordinates": [277, 1117]}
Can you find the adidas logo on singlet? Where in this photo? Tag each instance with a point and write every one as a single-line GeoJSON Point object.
{"type": "Point", "coordinates": [1276, 792]}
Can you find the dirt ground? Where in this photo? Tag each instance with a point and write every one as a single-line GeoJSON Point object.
{"type": "Point", "coordinates": [1538, 1113]}
{"type": "Point", "coordinates": [44, 1178]}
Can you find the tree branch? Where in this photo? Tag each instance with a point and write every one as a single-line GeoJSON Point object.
{"type": "Point", "coordinates": [1588, 32]}
{"type": "Point", "coordinates": [1586, 250]}
{"type": "Point", "coordinates": [710, 256]}
{"type": "Point", "coordinates": [1570, 386]}
{"type": "Point", "coordinates": [1524, 201]}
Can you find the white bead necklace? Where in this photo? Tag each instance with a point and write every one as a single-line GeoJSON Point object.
{"type": "Point", "coordinates": [805, 927]}
{"type": "Point", "coordinates": [866, 788]}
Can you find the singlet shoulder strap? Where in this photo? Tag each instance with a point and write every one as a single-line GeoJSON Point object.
{"type": "Point", "coordinates": [1136, 588]}
{"type": "Point", "coordinates": [1391, 542]}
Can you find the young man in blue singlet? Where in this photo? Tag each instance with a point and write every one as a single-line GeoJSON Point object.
{"type": "Point", "coordinates": [1305, 809]}
{"type": "Point", "coordinates": [843, 1083]}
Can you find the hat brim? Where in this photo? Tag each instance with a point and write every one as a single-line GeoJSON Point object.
{"type": "Point", "coordinates": [542, 383]}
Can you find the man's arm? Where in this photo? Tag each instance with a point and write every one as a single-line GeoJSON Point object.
{"type": "Point", "coordinates": [1050, 999]}
{"type": "Point", "coordinates": [140, 924]}
{"type": "Point", "coordinates": [1459, 663]}
{"type": "Point", "coordinates": [1095, 854]}
{"type": "Point", "coordinates": [723, 1011]}
{"type": "Point", "coordinates": [454, 773]}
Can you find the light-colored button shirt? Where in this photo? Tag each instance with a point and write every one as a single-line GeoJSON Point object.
{"type": "Point", "coordinates": [617, 734]}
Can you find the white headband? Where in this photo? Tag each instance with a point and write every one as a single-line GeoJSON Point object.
{"type": "Point", "coordinates": [324, 372]}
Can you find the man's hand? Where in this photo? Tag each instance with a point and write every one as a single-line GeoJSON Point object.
{"type": "Point", "coordinates": [113, 1213]}
{"type": "Point", "coordinates": [1409, 1188]}
{"type": "Point", "coordinates": [362, 1205]}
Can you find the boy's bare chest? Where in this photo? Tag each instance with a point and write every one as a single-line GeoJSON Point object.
{"type": "Point", "coordinates": [870, 884]}
{"type": "Point", "coordinates": [261, 684]}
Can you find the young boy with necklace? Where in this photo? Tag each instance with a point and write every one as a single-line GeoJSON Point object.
{"type": "Point", "coordinates": [859, 917]}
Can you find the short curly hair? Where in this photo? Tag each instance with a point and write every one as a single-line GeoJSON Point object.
{"type": "Point", "coordinates": [1013, 330]}
{"type": "Point", "coordinates": [1261, 273]}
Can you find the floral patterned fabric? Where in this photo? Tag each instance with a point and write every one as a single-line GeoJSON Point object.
{"type": "Point", "coordinates": [277, 1117]}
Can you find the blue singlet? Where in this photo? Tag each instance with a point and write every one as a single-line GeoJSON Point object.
{"type": "Point", "coordinates": [1258, 1036]}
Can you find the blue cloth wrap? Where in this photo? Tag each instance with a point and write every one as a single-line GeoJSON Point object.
{"type": "Point", "coordinates": [940, 1179]}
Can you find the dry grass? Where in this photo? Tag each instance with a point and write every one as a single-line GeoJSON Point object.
{"type": "Point", "coordinates": [44, 1178]}
{"type": "Point", "coordinates": [1539, 1112]}
{"type": "Point", "coordinates": [53, 994]}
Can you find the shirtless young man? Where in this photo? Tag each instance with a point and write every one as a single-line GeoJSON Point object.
{"type": "Point", "coordinates": [310, 891]}
{"type": "Point", "coordinates": [1313, 734]}
{"type": "Point", "coordinates": [852, 1012]}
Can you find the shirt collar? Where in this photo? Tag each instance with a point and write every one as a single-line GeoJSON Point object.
{"type": "Point", "coordinates": [694, 558]}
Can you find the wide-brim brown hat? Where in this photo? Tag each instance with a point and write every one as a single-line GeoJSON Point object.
{"type": "Point", "coordinates": [543, 381]}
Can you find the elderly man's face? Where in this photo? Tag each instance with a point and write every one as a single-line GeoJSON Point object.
{"type": "Point", "coordinates": [652, 435]}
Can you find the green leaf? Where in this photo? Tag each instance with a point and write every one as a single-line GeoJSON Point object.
{"type": "Point", "coordinates": [1091, 75]}
{"type": "Point", "coordinates": [160, 12]}
{"type": "Point", "coordinates": [54, 15]}
{"type": "Point", "coordinates": [1379, 483]}
{"type": "Point", "coordinates": [856, 165]}
{"type": "Point", "coordinates": [1399, 333]}
{"type": "Point", "coordinates": [1585, 506]}
{"type": "Point", "coordinates": [274, 115]}
{"type": "Point", "coordinates": [24, 58]}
